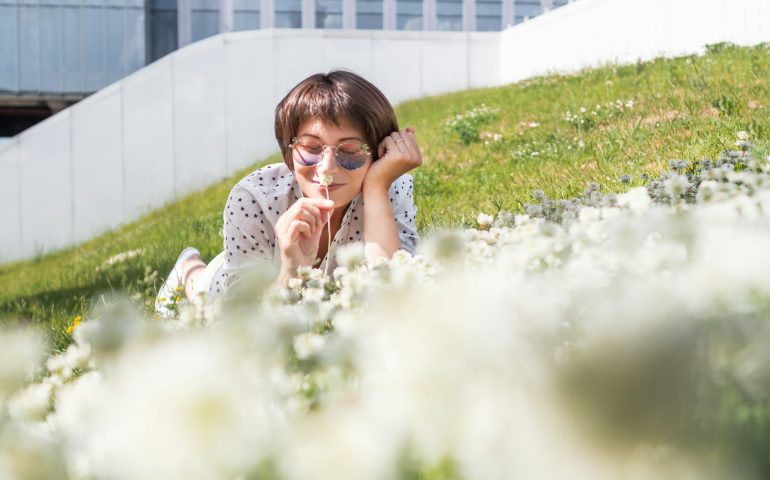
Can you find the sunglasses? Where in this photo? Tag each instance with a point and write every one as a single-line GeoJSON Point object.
{"type": "Point", "coordinates": [349, 155]}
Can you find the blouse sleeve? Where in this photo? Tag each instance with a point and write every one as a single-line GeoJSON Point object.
{"type": "Point", "coordinates": [405, 212]}
{"type": "Point", "coordinates": [249, 237]}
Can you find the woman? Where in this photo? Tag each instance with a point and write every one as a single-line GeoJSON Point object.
{"type": "Point", "coordinates": [335, 126]}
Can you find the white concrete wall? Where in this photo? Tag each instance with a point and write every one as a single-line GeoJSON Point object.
{"type": "Point", "coordinates": [589, 33]}
{"type": "Point", "coordinates": [197, 116]}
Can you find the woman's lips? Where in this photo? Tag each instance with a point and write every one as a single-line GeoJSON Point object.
{"type": "Point", "coordinates": [333, 186]}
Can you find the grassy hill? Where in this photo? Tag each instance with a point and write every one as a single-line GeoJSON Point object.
{"type": "Point", "coordinates": [555, 133]}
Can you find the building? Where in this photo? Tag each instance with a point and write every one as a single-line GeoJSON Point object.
{"type": "Point", "coordinates": [54, 53]}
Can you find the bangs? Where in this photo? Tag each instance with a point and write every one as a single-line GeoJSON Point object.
{"type": "Point", "coordinates": [327, 102]}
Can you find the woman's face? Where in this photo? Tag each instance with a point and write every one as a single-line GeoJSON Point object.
{"type": "Point", "coordinates": [346, 184]}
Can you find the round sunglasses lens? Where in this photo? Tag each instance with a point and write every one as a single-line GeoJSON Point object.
{"type": "Point", "coordinates": [306, 158]}
{"type": "Point", "coordinates": [349, 161]}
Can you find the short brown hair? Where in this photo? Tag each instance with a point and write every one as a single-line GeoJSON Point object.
{"type": "Point", "coordinates": [332, 97]}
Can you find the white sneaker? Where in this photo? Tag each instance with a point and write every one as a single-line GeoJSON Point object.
{"type": "Point", "coordinates": [165, 301]}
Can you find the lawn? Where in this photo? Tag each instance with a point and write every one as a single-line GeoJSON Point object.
{"type": "Point", "coordinates": [555, 133]}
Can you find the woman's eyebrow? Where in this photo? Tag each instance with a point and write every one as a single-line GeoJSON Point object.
{"type": "Point", "coordinates": [341, 140]}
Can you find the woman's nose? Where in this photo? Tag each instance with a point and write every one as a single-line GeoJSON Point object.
{"type": "Point", "coordinates": [328, 163]}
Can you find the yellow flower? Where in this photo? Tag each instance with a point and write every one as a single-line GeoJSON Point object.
{"type": "Point", "coordinates": [179, 288]}
{"type": "Point", "coordinates": [178, 298]}
{"type": "Point", "coordinates": [75, 322]}
{"type": "Point", "coordinates": [161, 299]}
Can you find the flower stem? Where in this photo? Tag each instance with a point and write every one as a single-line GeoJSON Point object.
{"type": "Point", "coordinates": [329, 229]}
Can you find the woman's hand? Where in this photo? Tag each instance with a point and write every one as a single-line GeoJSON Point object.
{"type": "Point", "coordinates": [398, 154]}
{"type": "Point", "coordinates": [299, 230]}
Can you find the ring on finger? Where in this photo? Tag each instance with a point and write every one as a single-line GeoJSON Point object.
{"type": "Point", "coordinates": [399, 140]}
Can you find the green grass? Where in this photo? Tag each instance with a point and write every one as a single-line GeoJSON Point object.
{"type": "Point", "coordinates": [684, 108]}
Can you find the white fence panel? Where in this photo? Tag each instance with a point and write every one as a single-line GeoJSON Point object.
{"type": "Point", "coordinates": [484, 60]}
{"type": "Point", "coordinates": [10, 219]}
{"type": "Point", "coordinates": [444, 65]}
{"type": "Point", "coordinates": [148, 139]}
{"type": "Point", "coordinates": [200, 153]}
{"type": "Point", "coordinates": [590, 33]}
{"type": "Point", "coordinates": [298, 54]}
{"type": "Point", "coordinates": [97, 163]}
{"type": "Point", "coordinates": [249, 91]}
{"type": "Point", "coordinates": [46, 186]}
{"type": "Point", "coordinates": [348, 50]}
{"type": "Point", "coordinates": [397, 70]}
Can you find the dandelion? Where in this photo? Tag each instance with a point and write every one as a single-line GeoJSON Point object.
{"type": "Point", "coordinates": [75, 322]}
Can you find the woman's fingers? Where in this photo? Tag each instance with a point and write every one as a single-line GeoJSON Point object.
{"type": "Point", "coordinates": [310, 214]}
{"type": "Point", "coordinates": [297, 227]}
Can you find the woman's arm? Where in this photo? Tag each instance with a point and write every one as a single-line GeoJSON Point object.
{"type": "Point", "coordinates": [380, 231]}
{"type": "Point", "coordinates": [399, 154]}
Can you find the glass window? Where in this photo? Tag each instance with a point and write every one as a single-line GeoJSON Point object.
{"type": "Point", "coordinates": [245, 20]}
{"type": "Point", "coordinates": [488, 15]}
{"type": "Point", "coordinates": [409, 14]}
{"type": "Point", "coordinates": [134, 43]}
{"type": "Point", "coordinates": [288, 14]}
{"type": "Point", "coordinates": [369, 14]}
{"type": "Point", "coordinates": [525, 9]}
{"type": "Point", "coordinates": [115, 58]}
{"type": "Point", "coordinates": [8, 47]}
{"type": "Point", "coordinates": [449, 14]}
{"type": "Point", "coordinates": [70, 50]}
{"type": "Point", "coordinates": [245, 15]}
{"type": "Point", "coordinates": [204, 19]}
{"type": "Point", "coordinates": [328, 14]}
{"type": "Point", "coordinates": [204, 24]}
{"type": "Point", "coordinates": [29, 49]}
{"type": "Point", "coordinates": [49, 48]}
{"type": "Point", "coordinates": [93, 49]}
{"type": "Point", "coordinates": [163, 28]}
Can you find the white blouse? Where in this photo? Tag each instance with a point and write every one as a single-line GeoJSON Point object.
{"type": "Point", "coordinates": [256, 202]}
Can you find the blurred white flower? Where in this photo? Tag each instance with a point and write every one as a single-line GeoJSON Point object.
{"type": "Point", "coordinates": [676, 185]}
{"type": "Point", "coordinates": [184, 398]}
{"type": "Point", "coordinates": [484, 221]}
{"type": "Point", "coordinates": [351, 255]}
{"type": "Point", "coordinates": [308, 344]}
{"type": "Point", "coordinates": [32, 403]}
{"type": "Point", "coordinates": [20, 351]}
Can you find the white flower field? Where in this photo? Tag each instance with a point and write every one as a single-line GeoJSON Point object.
{"type": "Point", "coordinates": [604, 337]}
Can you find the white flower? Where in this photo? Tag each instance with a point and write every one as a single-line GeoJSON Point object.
{"type": "Point", "coordinates": [351, 255]}
{"type": "Point", "coordinates": [484, 221]}
{"type": "Point", "coordinates": [189, 397]}
{"type": "Point", "coordinates": [119, 258]}
{"type": "Point", "coordinates": [32, 403]}
{"type": "Point", "coordinates": [636, 199]}
{"type": "Point", "coordinates": [308, 344]}
{"type": "Point", "coordinates": [326, 179]}
{"type": "Point", "coordinates": [20, 350]}
{"type": "Point", "coordinates": [743, 136]}
{"type": "Point", "coordinates": [676, 185]}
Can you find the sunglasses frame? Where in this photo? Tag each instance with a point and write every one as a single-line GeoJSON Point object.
{"type": "Point", "coordinates": [295, 142]}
